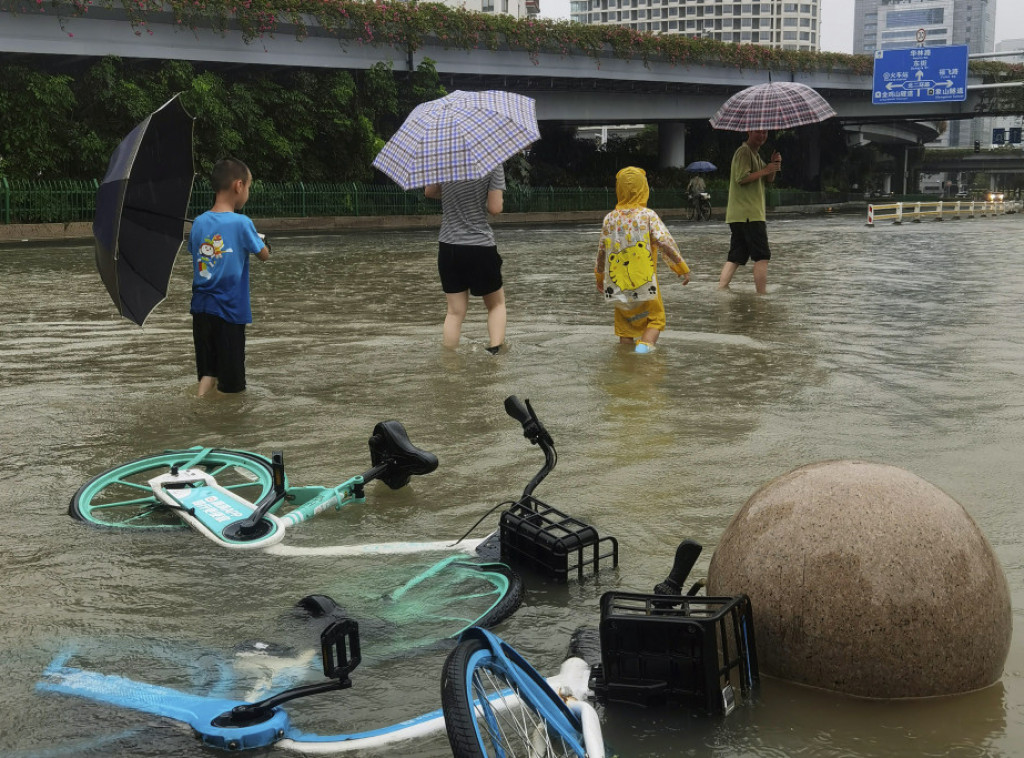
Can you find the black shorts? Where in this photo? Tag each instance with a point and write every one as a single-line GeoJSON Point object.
{"type": "Point", "coordinates": [749, 242]}
{"type": "Point", "coordinates": [476, 268]}
{"type": "Point", "coordinates": [220, 351]}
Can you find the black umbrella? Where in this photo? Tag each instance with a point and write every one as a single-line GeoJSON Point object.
{"type": "Point", "coordinates": [140, 210]}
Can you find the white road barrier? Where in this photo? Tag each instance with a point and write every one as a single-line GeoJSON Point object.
{"type": "Point", "coordinates": [940, 210]}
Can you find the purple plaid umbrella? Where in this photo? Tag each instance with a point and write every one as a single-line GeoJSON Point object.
{"type": "Point", "coordinates": [461, 136]}
{"type": "Point", "coordinates": [773, 105]}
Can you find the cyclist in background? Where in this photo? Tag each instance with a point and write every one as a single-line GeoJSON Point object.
{"type": "Point", "coordinates": [695, 188]}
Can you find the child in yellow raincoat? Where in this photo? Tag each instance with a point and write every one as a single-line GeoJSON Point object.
{"type": "Point", "coordinates": [627, 262]}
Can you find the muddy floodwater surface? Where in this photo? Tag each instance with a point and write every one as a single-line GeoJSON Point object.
{"type": "Point", "coordinates": [900, 345]}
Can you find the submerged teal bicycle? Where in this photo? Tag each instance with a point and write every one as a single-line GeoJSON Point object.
{"type": "Point", "coordinates": [243, 500]}
{"type": "Point", "coordinates": [236, 498]}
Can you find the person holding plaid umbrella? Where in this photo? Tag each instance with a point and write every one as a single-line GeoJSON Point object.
{"type": "Point", "coordinates": [454, 147]}
{"type": "Point", "coordinates": [755, 110]}
{"type": "Point", "coordinates": [745, 211]}
{"type": "Point", "coordinates": [467, 257]}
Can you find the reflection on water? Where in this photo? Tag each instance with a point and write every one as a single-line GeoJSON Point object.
{"type": "Point", "coordinates": [892, 344]}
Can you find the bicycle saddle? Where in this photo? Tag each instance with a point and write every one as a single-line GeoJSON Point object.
{"type": "Point", "coordinates": [390, 447]}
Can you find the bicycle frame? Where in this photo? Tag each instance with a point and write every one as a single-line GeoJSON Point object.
{"type": "Point", "coordinates": [181, 489]}
{"type": "Point", "coordinates": [533, 430]}
{"type": "Point", "coordinates": [228, 519]}
{"type": "Point", "coordinates": [211, 509]}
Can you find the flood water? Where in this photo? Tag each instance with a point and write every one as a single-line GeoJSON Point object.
{"type": "Point", "coordinates": [902, 345]}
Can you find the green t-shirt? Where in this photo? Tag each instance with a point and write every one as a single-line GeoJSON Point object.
{"type": "Point", "coordinates": [746, 201]}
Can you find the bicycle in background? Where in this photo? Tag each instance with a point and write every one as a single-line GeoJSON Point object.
{"type": "Point", "coordinates": [700, 207]}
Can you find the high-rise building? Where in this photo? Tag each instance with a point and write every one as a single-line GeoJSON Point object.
{"type": "Point", "coordinates": [517, 8]}
{"type": "Point", "coordinates": [790, 26]}
{"type": "Point", "coordinates": [1011, 46]}
{"type": "Point", "coordinates": [892, 24]}
{"type": "Point", "coordinates": [1006, 123]}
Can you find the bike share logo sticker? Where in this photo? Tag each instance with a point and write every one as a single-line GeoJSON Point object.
{"type": "Point", "coordinates": [215, 508]}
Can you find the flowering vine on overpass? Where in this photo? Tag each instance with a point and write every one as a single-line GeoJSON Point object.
{"type": "Point", "coordinates": [409, 25]}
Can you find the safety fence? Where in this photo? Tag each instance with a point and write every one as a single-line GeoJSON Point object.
{"type": "Point", "coordinates": [939, 210]}
{"type": "Point", "coordinates": [47, 201]}
{"type": "Point", "coordinates": [63, 201]}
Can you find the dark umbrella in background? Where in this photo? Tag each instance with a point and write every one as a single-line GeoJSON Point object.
{"type": "Point", "coordinates": [701, 167]}
{"type": "Point", "coordinates": [141, 207]}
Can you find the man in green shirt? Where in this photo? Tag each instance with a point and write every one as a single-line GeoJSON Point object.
{"type": "Point", "coordinates": [745, 211]}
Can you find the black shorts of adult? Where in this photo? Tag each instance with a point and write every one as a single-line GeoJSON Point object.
{"type": "Point", "coordinates": [749, 242]}
{"type": "Point", "coordinates": [476, 268]}
{"type": "Point", "coordinates": [220, 351]}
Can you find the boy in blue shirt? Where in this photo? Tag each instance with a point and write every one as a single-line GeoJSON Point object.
{"type": "Point", "coordinates": [221, 242]}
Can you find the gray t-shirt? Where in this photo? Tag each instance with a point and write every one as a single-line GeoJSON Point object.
{"type": "Point", "coordinates": [464, 209]}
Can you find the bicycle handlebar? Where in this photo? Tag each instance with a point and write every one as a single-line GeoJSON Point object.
{"type": "Point", "coordinates": [686, 556]}
{"type": "Point", "coordinates": [534, 431]}
{"type": "Point", "coordinates": [515, 408]}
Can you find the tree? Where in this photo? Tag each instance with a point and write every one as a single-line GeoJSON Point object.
{"type": "Point", "coordinates": [38, 135]}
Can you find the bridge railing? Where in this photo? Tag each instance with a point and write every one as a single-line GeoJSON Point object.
{"type": "Point", "coordinates": [62, 201]}
{"type": "Point", "coordinates": [939, 210]}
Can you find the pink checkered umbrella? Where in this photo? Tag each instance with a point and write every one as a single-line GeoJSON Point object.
{"type": "Point", "coordinates": [461, 136]}
{"type": "Point", "coordinates": [774, 105]}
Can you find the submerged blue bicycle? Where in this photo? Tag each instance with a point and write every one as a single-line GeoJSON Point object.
{"type": "Point", "coordinates": [494, 704]}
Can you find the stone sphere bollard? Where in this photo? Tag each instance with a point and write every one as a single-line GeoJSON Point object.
{"type": "Point", "coordinates": [866, 579]}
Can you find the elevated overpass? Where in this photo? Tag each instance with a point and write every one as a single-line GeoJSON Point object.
{"type": "Point", "coordinates": [994, 162]}
{"type": "Point", "coordinates": [573, 89]}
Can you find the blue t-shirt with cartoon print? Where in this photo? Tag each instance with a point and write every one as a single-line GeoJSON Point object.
{"type": "Point", "coordinates": [220, 244]}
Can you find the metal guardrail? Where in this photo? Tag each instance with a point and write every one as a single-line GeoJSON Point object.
{"type": "Point", "coordinates": [775, 198]}
{"type": "Point", "coordinates": [939, 210]}
{"type": "Point", "coordinates": [62, 201]}
{"type": "Point", "coordinates": [46, 201]}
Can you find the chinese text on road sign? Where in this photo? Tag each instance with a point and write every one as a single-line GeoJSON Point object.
{"type": "Point", "coordinates": [920, 75]}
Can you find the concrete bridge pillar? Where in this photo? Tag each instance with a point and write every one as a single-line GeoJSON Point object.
{"type": "Point", "coordinates": [812, 168]}
{"type": "Point", "coordinates": [671, 144]}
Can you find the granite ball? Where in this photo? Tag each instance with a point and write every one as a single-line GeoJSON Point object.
{"type": "Point", "coordinates": [866, 579]}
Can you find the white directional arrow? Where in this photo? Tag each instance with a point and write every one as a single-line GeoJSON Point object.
{"type": "Point", "coordinates": [920, 74]}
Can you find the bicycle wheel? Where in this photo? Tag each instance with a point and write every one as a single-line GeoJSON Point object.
{"type": "Point", "coordinates": [705, 210]}
{"type": "Point", "coordinates": [122, 498]}
{"type": "Point", "coordinates": [487, 714]}
{"type": "Point", "coordinates": [691, 212]}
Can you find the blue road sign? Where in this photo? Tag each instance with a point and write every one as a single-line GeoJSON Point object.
{"type": "Point", "coordinates": [998, 136]}
{"type": "Point", "coordinates": [920, 75]}
{"type": "Point", "coordinates": [1015, 135]}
